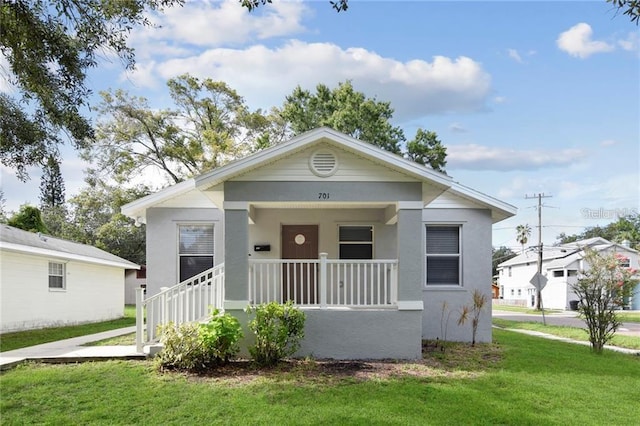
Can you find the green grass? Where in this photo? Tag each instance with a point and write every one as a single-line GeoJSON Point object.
{"type": "Point", "coordinates": [533, 382]}
{"type": "Point", "coordinates": [575, 333]}
{"type": "Point", "coordinates": [22, 339]}
{"type": "Point", "coordinates": [523, 310]}
{"type": "Point", "coordinates": [629, 316]}
{"type": "Point", "coordinates": [124, 340]}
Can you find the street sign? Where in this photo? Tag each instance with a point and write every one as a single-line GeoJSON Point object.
{"type": "Point", "coordinates": [538, 281]}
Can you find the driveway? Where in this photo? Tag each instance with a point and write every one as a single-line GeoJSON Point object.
{"type": "Point", "coordinates": [568, 318]}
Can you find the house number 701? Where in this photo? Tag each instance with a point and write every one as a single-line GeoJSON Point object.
{"type": "Point", "coordinates": [323, 195]}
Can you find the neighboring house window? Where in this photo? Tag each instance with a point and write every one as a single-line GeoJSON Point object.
{"type": "Point", "coordinates": [512, 292]}
{"type": "Point", "coordinates": [443, 255]}
{"type": "Point", "coordinates": [509, 270]}
{"type": "Point", "coordinates": [624, 262]}
{"type": "Point", "coordinates": [558, 274]}
{"type": "Point", "coordinates": [356, 242]}
{"type": "Point", "coordinates": [141, 273]}
{"type": "Point", "coordinates": [519, 292]}
{"type": "Point", "coordinates": [572, 273]}
{"type": "Point", "coordinates": [56, 275]}
{"type": "Point", "coordinates": [195, 249]}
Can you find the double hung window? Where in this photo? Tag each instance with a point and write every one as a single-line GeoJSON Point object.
{"type": "Point", "coordinates": [356, 242]}
{"type": "Point", "coordinates": [56, 275]}
{"type": "Point", "coordinates": [195, 249]}
{"type": "Point", "coordinates": [443, 255]}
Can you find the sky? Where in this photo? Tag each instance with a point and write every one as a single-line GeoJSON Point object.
{"type": "Point", "coordinates": [528, 97]}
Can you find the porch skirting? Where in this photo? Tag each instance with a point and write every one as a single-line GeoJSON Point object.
{"type": "Point", "coordinates": [362, 334]}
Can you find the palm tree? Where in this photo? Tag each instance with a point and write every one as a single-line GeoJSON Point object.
{"type": "Point", "coordinates": [523, 232]}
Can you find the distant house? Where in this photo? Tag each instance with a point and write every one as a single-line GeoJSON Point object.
{"type": "Point", "coordinates": [133, 279]}
{"type": "Point", "coordinates": [47, 281]}
{"type": "Point", "coordinates": [369, 244]}
{"type": "Point", "coordinates": [560, 265]}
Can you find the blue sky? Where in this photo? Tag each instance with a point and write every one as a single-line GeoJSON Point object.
{"type": "Point", "coordinates": [528, 97]}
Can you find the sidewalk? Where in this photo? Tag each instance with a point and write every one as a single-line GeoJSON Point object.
{"type": "Point", "coordinates": [567, 340]}
{"type": "Point", "coordinates": [71, 350]}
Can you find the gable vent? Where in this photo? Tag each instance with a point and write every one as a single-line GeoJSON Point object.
{"type": "Point", "coordinates": [323, 163]}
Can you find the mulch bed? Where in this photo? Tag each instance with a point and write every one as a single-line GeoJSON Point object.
{"type": "Point", "coordinates": [456, 360]}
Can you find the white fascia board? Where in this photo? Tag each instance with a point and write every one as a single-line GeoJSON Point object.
{"type": "Point", "coordinates": [330, 136]}
{"type": "Point", "coordinates": [499, 209]}
{"type": "Point", "coordinates": [19, 248]}
{"type": "Point", "coordinates": [138, 208]}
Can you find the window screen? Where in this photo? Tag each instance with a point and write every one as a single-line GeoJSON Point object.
{"type": "Point", "coordinates": [443, 255]}
{"type": "Point", "coordinates": [195, 249]}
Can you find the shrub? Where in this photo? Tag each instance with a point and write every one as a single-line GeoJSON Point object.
{"type": "Point", "coordinates": [220, 336]}
{"type": "Point", "coordinates": [197, 347]}
{"type": "Point", "coordinates": [182, 347]}
{"type": "Point", "coordinates": [278, 329]}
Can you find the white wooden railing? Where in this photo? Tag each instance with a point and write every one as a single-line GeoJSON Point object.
{"type": "Point", "coordinates": [324, 282]}
{"type": "Point", "coordinates": [190, 300]}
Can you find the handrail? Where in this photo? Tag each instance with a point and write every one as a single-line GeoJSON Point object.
{"type": "Point", "coordinates": [187, 301]}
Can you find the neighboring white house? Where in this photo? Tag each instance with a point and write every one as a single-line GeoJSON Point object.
{"type": "Point", "coordinates": [560, 265]}
{"type": "Point", "coordinates": [133, 279]}
{"type": "Point", "coordinates": [368, 243]}
{"type": "Point", "coordinates": [47, 281]}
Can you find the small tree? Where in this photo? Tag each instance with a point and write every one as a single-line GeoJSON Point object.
{"type": "Point", "coordinates": [28, 218]}
{"type": "Point", "coordinates": [602, 289]}
{"type": "Point", "coordinates": [479, 302]}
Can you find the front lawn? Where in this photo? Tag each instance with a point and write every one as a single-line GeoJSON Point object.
{"type": "Point", "coordinates": [520, 380]}
{"type": "Point", "coordinates": [22, 339]}
{"type": "Point", "coordinates": [574, 333]}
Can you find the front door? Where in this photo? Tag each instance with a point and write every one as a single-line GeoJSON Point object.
{"type": "Point", "coordinates": [299, 279]}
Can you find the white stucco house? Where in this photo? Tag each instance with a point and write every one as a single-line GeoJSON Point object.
{"type": "Point", "coordinates": [47, 281]}
{"type": "Point", "coordinates": [560, 265]}
{"type": "Point", "coordinates": [367, 243]}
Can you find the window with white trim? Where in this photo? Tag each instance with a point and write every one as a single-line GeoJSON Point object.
{"type": "Point", "coordinates": [56, 276]}
{"type": "Point", "coordinates": [356, 242]}
{"type": "Point", "coordinates": [195, 249]}
{"type": "Point", "coordinates": [443, 255]}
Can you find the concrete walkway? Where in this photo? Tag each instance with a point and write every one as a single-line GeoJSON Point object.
{"type": "Point", "coordinates": [71, 350]}
{"type": "Point", "coordinates": [567, 340]}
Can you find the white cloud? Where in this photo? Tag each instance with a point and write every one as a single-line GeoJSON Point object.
{"type": "Point", "coordinates": [478, 157]}
{"type": "Point", "coordinates": [264, 76]}
{"type": "Point", "coordinates": [608, 142]}
{"type": "Point", "coordinates": [214, 23]}
{"type": "Point", "coordinates": [513, 54]}
{"type": "Point", "coordinates": [631, 43]}
{"type": "Point", "coordinates": [577, 41]}
{"type": "Point", "coordinates": [500, 99]}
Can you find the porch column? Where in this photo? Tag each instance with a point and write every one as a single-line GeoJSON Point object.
{"type": "Point", "coordinates": [236, 254]}
{"type": "Point", "coordinates": [410, 259]}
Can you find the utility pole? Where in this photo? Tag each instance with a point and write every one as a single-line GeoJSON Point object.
{"type": "Point", "coordinates": [539, 196]}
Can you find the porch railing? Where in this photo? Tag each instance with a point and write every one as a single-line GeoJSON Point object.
{"type": "Point", "coordinates": [324, 282]}
{"type": "Point", "coordinates": [190, 300]}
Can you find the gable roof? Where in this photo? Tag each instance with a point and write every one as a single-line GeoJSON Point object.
{"type": "Point", "coordinates": [17, 240]}
{"type": "Point", "coordinates": [561, 256]}
{"type": "Point", "coordinates": [323, 135]}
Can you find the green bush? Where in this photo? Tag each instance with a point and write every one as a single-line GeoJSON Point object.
{"type": "Point", "coordinates": [278, 329]}
{"type": "Point", "coordinates": [197, 347]}
{"type": "Point", "coordinates": [220, 336]}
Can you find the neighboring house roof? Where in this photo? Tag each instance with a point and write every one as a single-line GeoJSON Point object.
{"type": "Point", "coordinates": [563, 255]}
{"type": "Point", "coordinates": [17, 240]}
{"type": "Point", "coordinates": [191, 187]}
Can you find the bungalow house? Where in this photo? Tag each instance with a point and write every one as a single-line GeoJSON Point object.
{"type": "Point", "coordinates": [369, 244]}
{"type": "Point", "coordinates": [133, 279]}
{"type": "Point", "coordinates": [47, 281]}
{"type": "Point", "coordinates": [560, 265]}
